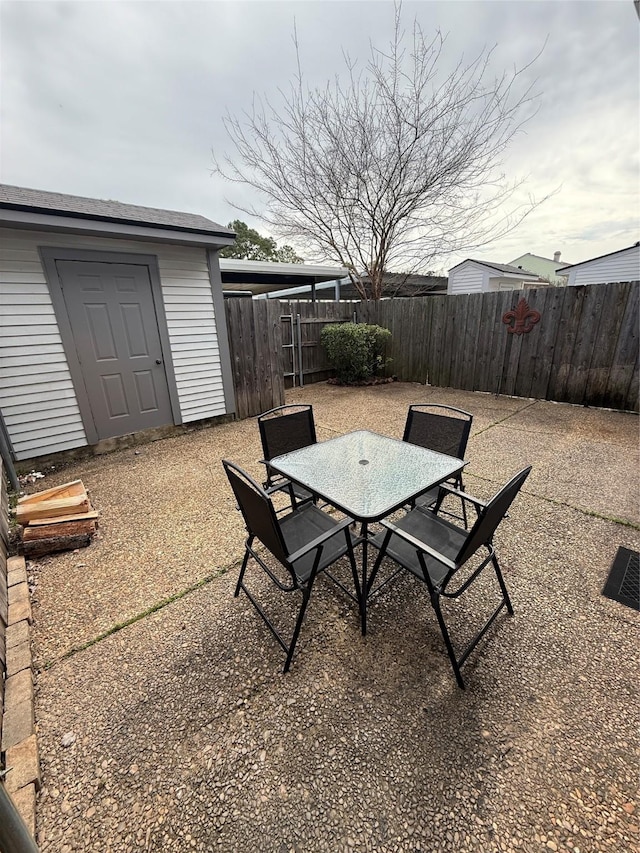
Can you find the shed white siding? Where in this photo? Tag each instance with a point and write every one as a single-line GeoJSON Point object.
{"type": "Point", "coordinates": [498, 283]}
{"type": "Point", "coordinates": [620, 266]}
{"type": "Point", "coordinates": [38, 399]}
{"type": "Point", "coordinates": [468, 278]}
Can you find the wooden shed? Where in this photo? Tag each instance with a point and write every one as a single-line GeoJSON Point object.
{"type": "Point", "coordinates": [112, 320]}
{"type": "Point", "coordinates": [623, 265]}
{"type": "Point", "coordinates": [481, 276]}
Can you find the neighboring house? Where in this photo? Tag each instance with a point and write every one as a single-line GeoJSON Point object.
{"type": "Point", "coordinates": [112, 320]}
{"type": "Point", "coordinates": [623, 265]}
{"type": "Point", "coordinates": [543, 267]}
{"type": "Point", "coordinates": [481, 276]}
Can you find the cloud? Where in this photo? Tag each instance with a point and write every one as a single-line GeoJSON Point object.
{"type": "Point", "coordinates": [125, 100]}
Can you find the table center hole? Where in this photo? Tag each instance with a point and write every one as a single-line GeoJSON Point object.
{"type": "Point", "coordinates": [364, 462]}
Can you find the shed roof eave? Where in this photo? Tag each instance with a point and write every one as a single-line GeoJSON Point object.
{"type": "Point", "coordinates": [11, 218]}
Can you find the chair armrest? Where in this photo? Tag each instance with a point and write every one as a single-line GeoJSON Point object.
{"type": "Point", "coordinates": [419, 545]}
{"type": "Point", "coordinates": [280, 485]}
{"type": "Point", "coordinates": [465, 496]}
{"type": "Point", "coordinates": [283, 484]}
{"type": "Point", "coordinates": [319, 540]}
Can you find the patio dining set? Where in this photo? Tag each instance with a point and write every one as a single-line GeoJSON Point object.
{"type": "Point", "coordinates": [385, 499]}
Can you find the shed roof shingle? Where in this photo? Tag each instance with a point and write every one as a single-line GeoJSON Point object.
{"type": "Point", "coordinates": [40, 201]}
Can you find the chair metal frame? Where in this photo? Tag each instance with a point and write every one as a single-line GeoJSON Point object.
{"type": "Point", "coordinates": [434, 497]}
{"type": "Point", "coordinates": [264, 525]}
{"type": "Point", "coordinates": [444, 568]}
{"type": "Point", "coordinates": [302, 414]}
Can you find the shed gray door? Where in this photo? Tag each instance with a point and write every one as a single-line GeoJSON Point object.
{"type": "Point", "coordinates": [115, 332]}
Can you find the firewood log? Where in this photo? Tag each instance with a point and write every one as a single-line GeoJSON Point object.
{"type": "Point", "coordinates": [39, 547]}
{"type": "Point", "coordinates": [52, 508]}
{"type": "Point", "coordinates": [52, 531]}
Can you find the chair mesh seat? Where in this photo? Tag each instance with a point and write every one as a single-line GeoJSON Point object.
{"type": "Point", "coordinates": [300, 528]}
{"type": "Point", "coordinates": [428, 499]}
{"type": "Point", "coordinates": [440, 535]}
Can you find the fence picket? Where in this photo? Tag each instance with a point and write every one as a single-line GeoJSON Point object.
{"type": "Point", "coordinates": [622, 385]}
{"type": "Point", "coordinates": [551, 311]}
{"type": "Point", "coordinates": [605, 343]}
{"type": "Point", "coordinates": [594, 298]}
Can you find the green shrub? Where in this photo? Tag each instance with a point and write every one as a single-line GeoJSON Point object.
{"type": "Point", "coordinates": [355, 350]}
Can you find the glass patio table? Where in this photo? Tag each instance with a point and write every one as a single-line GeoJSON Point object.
{"type": "Point", "coordinates": [367, 476]}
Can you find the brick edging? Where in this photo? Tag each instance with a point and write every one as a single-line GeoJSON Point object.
{"type": "Point", "coordinates": [19, 743]}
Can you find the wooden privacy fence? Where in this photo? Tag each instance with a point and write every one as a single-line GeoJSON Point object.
{"type": "Point", "coordinates": [273, 343]}
{"type": "Point", "coordinates": [583, 349]}
{"type": "Point", "coordinates": [255, 342]}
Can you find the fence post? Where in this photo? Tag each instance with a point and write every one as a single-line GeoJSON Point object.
{"type": "Point", "coordinates": [300, 365]}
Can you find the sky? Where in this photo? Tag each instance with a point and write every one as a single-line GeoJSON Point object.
{"type": "Point", "coordinates": [124, 100]}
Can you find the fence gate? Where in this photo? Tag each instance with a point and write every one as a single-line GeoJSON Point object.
{"type": "Point", "coordinates": [292, 349]}
{"type": "Point", "coordinates": [302, 354]}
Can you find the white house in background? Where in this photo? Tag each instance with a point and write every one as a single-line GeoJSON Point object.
{"type": "Point", "coordinates": [623, 265]}
{"type": "Point", "coordinates": [112, 320]}
{"type": "Point", "coordinates": [543, 267]}
{"type": "Point", "coordinates": [481, 276]}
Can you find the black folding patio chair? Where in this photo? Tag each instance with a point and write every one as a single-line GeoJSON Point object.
{"type": "Point", "coordinates": [444, 429]}
{"type": "Point", "coordinates": [282, 430]}
{"type": "Point", "coordinates": [434, 550]}
{"type": "Point", "coordinates": [305, 542]}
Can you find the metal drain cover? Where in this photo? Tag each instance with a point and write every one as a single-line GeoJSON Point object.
{"type": "Point", "coordinates": [623, 583]}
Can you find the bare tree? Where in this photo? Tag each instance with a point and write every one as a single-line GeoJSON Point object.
{"type": "Point", "coordinates": [390, 169]}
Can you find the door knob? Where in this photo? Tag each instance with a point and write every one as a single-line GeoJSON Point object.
{"type": "Point", "coordinates": [158, 361]}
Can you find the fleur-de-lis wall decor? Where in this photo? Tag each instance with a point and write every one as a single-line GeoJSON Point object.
{"type": "Point", "coordinates": [522, 317]}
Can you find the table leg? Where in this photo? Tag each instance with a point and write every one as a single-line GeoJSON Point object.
{"type": "Point", "coordinates": [364, 533]}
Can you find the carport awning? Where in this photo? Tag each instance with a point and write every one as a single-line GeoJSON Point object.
{"type": "Point", "coordinates": [265, 276]}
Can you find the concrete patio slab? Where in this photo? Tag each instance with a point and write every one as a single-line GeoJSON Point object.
{"type": "Point", "coordinates": [188, 737]}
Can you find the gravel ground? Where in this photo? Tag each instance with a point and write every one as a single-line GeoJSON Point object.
{"type": "Point", "coordinates": [186, 736]}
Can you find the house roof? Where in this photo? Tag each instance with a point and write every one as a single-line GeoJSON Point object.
{"type": "Point", "coordinates": [539, 257]}
{"type": "Point", "coordinates": [39, 202]}
{"type": "Point", "coordinates": [598, 258]}
{"type": "Point", "coordinates": [403, 284]}
{"type": "Point", "coordinates": [502, 268]}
